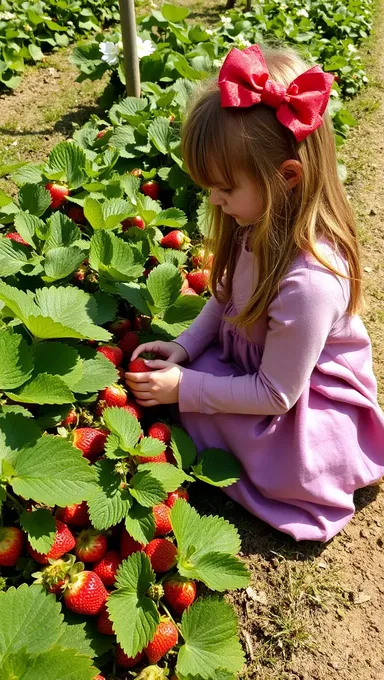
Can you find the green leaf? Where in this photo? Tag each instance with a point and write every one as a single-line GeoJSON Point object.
{"type": "Point", "coordinates": [34, 198]}
{"type": "Point", "coordinates": [72, 666]}
{"type": "Point", "coordinates": [209, 629]}
{"type": "Point", "coordinates": [35, 52]}
{"type": "Point", "coordinates": [53, 472]}
{"type": "Point", "coordinates": [109, 504]}
{"type": "Point", "coordinates": [26, 225]}
{"type": "Point", "coordinates": [114, 258]}
{"type": "Point", "coordinates": [134, 294]}
{"type": "Point", "coordinates": [52, 415]}
{"type": "Point", "coordinates": [57, 358]}
{"type": "Point", "coordinates": [16, 360]}
{"type": "Point", "coordinates": [61, 262]}
{"type": "Point", "coordinates": [148, 446]}
{"type": "Point", "coordinates": [108, 214]}
{"type": "Point", "coordinates": [140, 523]}
{"type": "Point", "coordinates": [164, 283]}
{"type": "Point", "coordinates": [183, 448]}
{"type": "Point", "coordinates": [160, 134]}
{"type": "Point", "coordinates": [169, 476]}
{"type": "Point", "coordinates": [217, 570]}
{"type": "Point", "coordinates": [217, 467]}
{"type": "Point", "coordinates": [29, 619]}
{"type": "Point", "coordinates": [16, 432]}
{"type": "Point", "coordinates": [179, 316]}
{"type": "Point", "coordinates": [41, 529]}
{"type": "Point", "coordinates": [42, 389]}
{"type": "Point", "coordinates": [174, 13]}
{"type": "Point", "coordinates": [62, 232]}
{"type": "Point", "coordinates": [172, 217]}
{"type": "Point", "coordinates": [133, 614]}
{"type": "Point", "coordinates": [66, 162]}
{"type": "Point", "coordinates": [12, 257]}
{"type": "Point", "coordinates": [80, 633]}
{"type": "Point", "coordinates": [124, 425]}
{"type": "Point", "coordinates": [97, 373]}
{"type": "Point", "coordinates": [28, 174]}
{"type": "Point", "coordinates": [147, 490]}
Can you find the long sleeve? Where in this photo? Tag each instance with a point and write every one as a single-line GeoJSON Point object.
{"type": "Point", "coordinates": [300, 318]}
{"type": "Point", "coordinates": [204, 330]}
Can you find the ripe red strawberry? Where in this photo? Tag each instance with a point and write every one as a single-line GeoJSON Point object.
{"type": "Point", "coordinates": [162, 515]}
{"type": "Point", "coordinates": [71, 419]}
{"type": "Point", "coordinates": [120, 327]}
{"type": "Point", "coordinates": [162, 554]}
{"type": "Point", "coordinates": [101, 133]}
{"type": "Point", "coordinates": [161, 458]}
{"type": "Point", "coordinates": [138, 366]}
{"type": "Point", "coordinates": [75, 515]}
{"type": "Point", "coordinates": [91, 545]}
{"type": "Point", "coordinates": [99, 677]}
{"type": "Point", "coordinates": [166, 637]}
{"type": "Point", "coordinates": [134, 409]}
{"type": "Point", "coordinates": [85, 594]}
{"type": "Point", "coordinates": [179, 593]}
{"type": "Point", "coordinates": [198, 280]}
{"type": "Point", "coordinates": [187, 291]}
{"type": "Point", "coordinates": [127, 661]}
{"type": "Point", "coordinates": [59, 194]}
{"type": "Point", "coordinates": [11, 545]}
{"type": "Point", "coordinates": [80, 274]}
{"type": "Point", "coordinates": [174, 495]}
{"type": "Point", "coordinates": [63, 543]}
{"type": "Point", "coordinates": [14, 236]}
{"type": "Point", "coordinates": [151, 189]}
{"type": "Point", "coordinates": [114, 395]}
{"type": "Point", "coordinates": [104, 624]}
{"type": "Point", "coordinates": [175, 239]}
{"type": "Point", "coordinates": [114, 354]}
{"type": "Point", "coordinates": [133, 222]}
{"type": "Point", "coordinates": [128, 343]}
{"type": "Point", "coordinates": [76, 214]}
{"type": "Point", "coordinates": [107, 567]}
{"type": "Point", "coordinates": [160, 431]}
{"type": "Point", "coordinates": [128, 545]}
{"type": "Point", "coordinates": [90, 441]}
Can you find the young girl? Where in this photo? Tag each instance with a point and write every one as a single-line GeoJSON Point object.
{"type": "Point", "coordinates": [278, 363]}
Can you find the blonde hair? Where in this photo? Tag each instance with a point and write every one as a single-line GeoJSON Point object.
{"type": "Point", "coordinates": [253, 141]}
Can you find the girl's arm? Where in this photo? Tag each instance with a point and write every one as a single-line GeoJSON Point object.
{"type": "Point", "coordinates": [309, 302]}
{"type": "Point", "coordinates": [204, 330]}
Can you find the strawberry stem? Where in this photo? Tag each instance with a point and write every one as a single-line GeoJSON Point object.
{"type": "Point", "coordinates": [15, 502]}
{"type": "Point", "coordinates": [170, 616]}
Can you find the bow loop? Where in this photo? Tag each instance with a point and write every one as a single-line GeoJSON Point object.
{"type": "Point", "coordinates": [244, 81]}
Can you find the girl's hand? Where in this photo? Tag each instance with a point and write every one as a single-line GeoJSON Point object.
{"type": "Point", "coordinates": [169, 350]}
{"type": "Point", "coordinates": [160, 386]}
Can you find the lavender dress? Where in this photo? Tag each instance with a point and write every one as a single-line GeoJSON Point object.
{"type": "Point", "coordinates": [296, 403]}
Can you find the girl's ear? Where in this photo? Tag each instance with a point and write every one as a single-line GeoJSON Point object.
{"type": "Point", "coordinates": [291, 170]}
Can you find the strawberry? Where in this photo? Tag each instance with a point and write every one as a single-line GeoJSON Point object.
{"type": "Point", "coordinates": [85, 594]}
{"type": "Point", "coordinates": [200, 258]}
{"type": "Point", "coordinates": [114, 395]}
{"type": "Point", "coordinates": [120, 326]}
{"type": "Point", "coordinates": [114, 354]}
{"type": "Point", "coordinates": [162, 515]}
{"type": "Point", "coordinates": [142, 323]}
{"type": "Point", "coordinates": [160, 431]}
{"type": "Point", "coordinates": [127, 661]}
{"type": "Point", "coordinates": [63, 543]}
{"type": "Point", "coordinates": [90, 441]}
{"type": "Point", "coordinates": [128, 545]}
{"type": "Point", "coordinates": [99, 677]}
{"type": "Point", "coordinates": [165, 638]}
{"type": "Point", "coordinates": [198, 280]}
{"type": "Point", "coordinates": [54, 575]}
{"type": "Point", "coordinates": [71, 419]}
{"type": "Point", "coordinates": [75, 515]}
{"type": "Point", "coordinates": [162, 554]}
{"type": "Point", "coordinates": [91, 545]}
{"type": "Point", "coordinates": [14, 236]}
{"type": "Point", "coordinates": [136, 172]}
{"type": "Point", "coordinates": [11, 545]}
{"type": "Point", "coordinates": [101, 133]}
{"type": "Point", "coordinates": [59, 194]}
{"type": "Point", "coordinates": [175, 239]}
{"type": "Point", "coordinates": [133, 222]}
{"type": "Point", "coordinates": [138, 366]}
{"type": "Point", "coordinates": [134, 409]}
{"type": "Point", "coordinates": [161, 458]}
{"type": "Point", "coordinates": [104, 623]}
{"type": "Point", "coordinates": [174, 495]}
{"type": "Point", "coordinates": [179, 593]}
{"type": "Point", "coordinates": [107, 567]}
{"type": "Point", "coordinates": [128, 343]}
{"type": "Point", "coordinates": [187, 291]}
{"type": "Point", "coordinates": [76, 214]}
{"type": "Point", "coordinates": [151, 189]}
{"type": "Point", "coordinates": [80, 274]}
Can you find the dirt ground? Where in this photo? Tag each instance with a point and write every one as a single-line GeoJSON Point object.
{"type": "Point", "coordinates": [312, 612]}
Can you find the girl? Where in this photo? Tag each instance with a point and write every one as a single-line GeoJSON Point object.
{"type": "Point", "coordinates": [278, 363]}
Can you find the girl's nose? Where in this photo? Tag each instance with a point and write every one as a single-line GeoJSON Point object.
{"type": "Point", "coordinates": [216, 197]}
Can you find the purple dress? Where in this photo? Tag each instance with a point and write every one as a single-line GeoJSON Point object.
{"type": "Point", "coordinates": [296, 402]}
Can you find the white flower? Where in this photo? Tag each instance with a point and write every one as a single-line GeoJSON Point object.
{"type": "Point", "coordinates": [7, 15]}
{"type": "Point", "coordinates": [144, 47]}
{"type": "Point", "coordinates": [243, 41]}
{"type": "Point", "coordinates": [302, 13]}
{"type": "Point", "coordinates": [225, 20]}
{"type": "Point", "coordinates": [209, 31]}
{"type": "Point", "coordinates": [110, 52]}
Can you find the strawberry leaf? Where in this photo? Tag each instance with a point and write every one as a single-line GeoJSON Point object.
{"type": "Point", "coordinates": [40, 527]}
{"type": "Point", "coordinates": [52, 472]}
{"type": "Point", "coordinates": [183, 448]}
{"type": "Point", "coordinates": [109, 503]}
{"type": "Point", "coordinates": [27, 225]}
{"type": "Point", "coordinates": [133, 614]}
{"type": "Point", "coordinates": [172, 217]}
{"type": "Point", "coordinates": [217, 467]}
{"type": "Point", "coordinates": [59, 359]}
{"type": "Point", "coordinates": [148, 446]}
{"type": "Point", "coordinates": [13, 257]}
{"type": "Point", "coordinates": [80, 633]}
{"type": "Point", "coordinates": [160, 134]}
{"type": "Point", "coordinates": [108, 214]}
{"type": "Point", "coordinates": [16, 432]}
{"type": "Point", "coordinates": [97, 373]}
{"type": "Point", "coordinates": [72, 666]}
{"type": "Point", "coordinates": [42, 389]}
{"type": "Point", "coordinates": [124, 425]}
{"type": "Point", "coordinates": [66, 162]}
{"type": "Point", "coordinates": [114, 258]}
{"type": "Point", "coordinates": [34, 199]}
{"type": "Point", "coordinates": [178, 317]}
{"type": "Point", "coordinates": [28, 174]}
{"type": "Point", "coordinates": [140, 523]}
{"type": "Point", "coordinates": [209, 628]}
{"type": "Point", "coordinates": [16, 360]}
{"type": "Point", "coordinates": [164, 283]}
{"type": "Point", "coordinates": [147, 208]}
{"type": "Point", "coordinates": [169, 476]}
{"type": "Point", "coordinates": [147, 490]}
{"type": "Point", "coordinates": [61, 262]}
{"type": "Point", "coordinates": [134, 293]}
{"type": "Point", "coordinates": [62, 232]}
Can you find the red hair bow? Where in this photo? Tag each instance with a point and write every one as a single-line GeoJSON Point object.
{"type": "Point", "coordinates": [244, 81]}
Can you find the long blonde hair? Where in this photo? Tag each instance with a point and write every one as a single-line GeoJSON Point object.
{"type": "Point", "coordinates": [253, 141]}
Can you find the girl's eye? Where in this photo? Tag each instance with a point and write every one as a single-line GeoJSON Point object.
{"type": "Point", "coordinates": [226, 191]}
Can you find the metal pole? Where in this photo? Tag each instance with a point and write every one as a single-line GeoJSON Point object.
{"type": "Point", "coordinates": [128, 34]}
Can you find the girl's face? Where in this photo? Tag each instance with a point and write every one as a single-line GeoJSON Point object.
{"type": "Point", "coordinates": [243, 203]}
